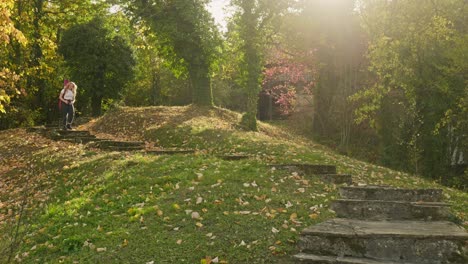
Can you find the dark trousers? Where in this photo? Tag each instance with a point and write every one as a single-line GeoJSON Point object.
{"type": "Point", "coordinates": [68, 113]}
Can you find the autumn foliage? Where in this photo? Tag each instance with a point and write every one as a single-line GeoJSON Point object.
{"type": "Point", "coordinates": [286, 78]}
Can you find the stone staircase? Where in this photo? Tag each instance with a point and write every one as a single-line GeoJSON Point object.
{"type": "Point", "coordinates": [385, 225]}
{"type": "Point", "coordinates": [326, 173]}
{"type": "Point", "coordinates": [74, 136]}
{"type": "Point", "coordinates": [85, 137]}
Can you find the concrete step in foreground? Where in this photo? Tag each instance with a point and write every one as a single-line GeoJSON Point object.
{"type": "Point", "coordinates": [390, 210]}
{"type": "Point", "coordinates": [395, 241]}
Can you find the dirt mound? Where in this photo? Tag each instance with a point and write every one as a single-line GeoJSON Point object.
{"type": "Point", "coordinates": [135, 123]}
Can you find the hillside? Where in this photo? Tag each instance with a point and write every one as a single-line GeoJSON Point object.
{"type": "Point", "coordinates": [76, 204]}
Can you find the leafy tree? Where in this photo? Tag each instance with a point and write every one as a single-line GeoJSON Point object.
{"type": "Point", "coordinates": [187, 39]}
{"type": "Point", "coordinates": [154, 83]}
{"type": "Point", "coordinates": [100, 62]}
{"type": "Point", "coordinates": [8, 78]}
{"type": "Point", "coordinates": [253, 24]}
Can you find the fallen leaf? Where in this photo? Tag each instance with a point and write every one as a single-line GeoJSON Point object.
{"type": "Point", "coordinates": [195, 215]}
{"type": "Point", "coordinates": [293, 216]}
{"type": "Point", "coordinates": [101, 249]}
{"type": "Point", "coordinates": [125, 243]}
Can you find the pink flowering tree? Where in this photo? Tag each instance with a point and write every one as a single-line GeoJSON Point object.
{"type": "Point", "coordinates": [286, 77]}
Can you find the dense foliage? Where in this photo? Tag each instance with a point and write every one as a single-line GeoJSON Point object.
{"type": "Point", "coordinates": [417, 54]}
{"type": "Point", "coordinates": [8, 32]}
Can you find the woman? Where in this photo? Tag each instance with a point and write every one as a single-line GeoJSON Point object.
{"type": "Point", "coordinates": [67, 96]}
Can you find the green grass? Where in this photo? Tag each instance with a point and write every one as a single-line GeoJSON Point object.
{"type": "Point", "coordinates": [112, 207]}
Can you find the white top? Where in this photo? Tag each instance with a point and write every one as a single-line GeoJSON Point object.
{"type": "Point", "coordinates": [68, 94]}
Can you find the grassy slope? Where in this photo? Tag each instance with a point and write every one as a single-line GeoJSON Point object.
{"type": "Point", "coordinates": [91, 206]}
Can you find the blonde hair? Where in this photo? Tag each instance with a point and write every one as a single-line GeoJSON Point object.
{"type": "Point", "coordinates": [72, 86]}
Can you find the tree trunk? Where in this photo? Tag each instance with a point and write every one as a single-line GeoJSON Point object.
{"type": "Point", "coordinates": [96, 103]}
{"type": "Point", "coordinates": [156, 89]}
{"type": "Point", "coordinates": [202, 93]}
{"type": "Point", "coordinates": [36, 56]}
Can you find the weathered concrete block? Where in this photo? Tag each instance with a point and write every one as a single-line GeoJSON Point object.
{"type": "Point", "coordinates": [73, 133]}
{"type": "Point", "coordinates": [398, 241]}
{"type": "Point", "coordinates": [390, 210]}
{"type": "Point", "coordinates": [81, 139]}
{"type": "Point", "coordinates": [391, 194]}
{"type": "Point", "coordinates": [316, 259]}
{"type": "Point", "coordinates": [336, 178]}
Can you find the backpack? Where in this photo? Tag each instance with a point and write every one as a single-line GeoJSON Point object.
{"type": "Point", "coordinates": [65, 82]}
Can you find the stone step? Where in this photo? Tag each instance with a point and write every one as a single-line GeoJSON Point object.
{"type": "Point", "coordinates": [315, 259]}
{"type": "Point", "coordinates": [169, 151]}
{"type": "Point", "coordinates": [118, 145]}
{"type": "Point", "coordinates": [123, 148]}
{"type": "Point", "coordinates": [390, 210]}
{"type": "Point", "coordinates": [308, 169]}
{"type": "Point", "coordinates": [336, 178]}
{"type": "Point", "coordinates": [58, 136]}
{"type": "Point", "coordinates": [233, 157]}
{"type": "Point", "coordinates": [81, 140]}
{"type": "Point", "coordinates": [114, 143]}
{"type": "Point", "coordinates": [391, 194]}
{"type": "Point", "coordinates": [398, 241]}
{"type": "Point", "coordinates": [73, 133]}
{"type": "Point", "coordinates": [76, 136]}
